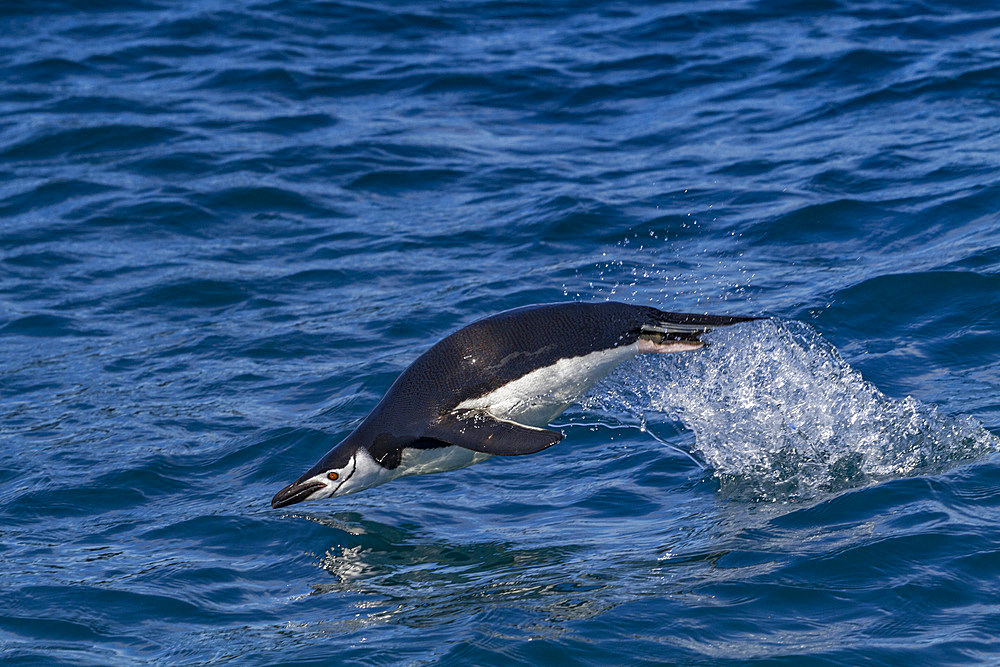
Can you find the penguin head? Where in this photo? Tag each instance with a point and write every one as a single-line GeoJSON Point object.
{"type": "Point", "coordinates": [342, 471]}
{"type": "Point", "coordinates": [330, 477]}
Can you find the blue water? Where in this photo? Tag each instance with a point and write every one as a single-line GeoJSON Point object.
{"type": "Point", "coordinates": [225, 227]}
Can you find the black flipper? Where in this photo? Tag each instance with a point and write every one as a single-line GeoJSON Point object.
{"type": "Point", "coordinates": [482, 432]}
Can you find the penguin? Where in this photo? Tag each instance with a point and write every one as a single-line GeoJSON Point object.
{"type": "Point", "coordinates": [491, 388]}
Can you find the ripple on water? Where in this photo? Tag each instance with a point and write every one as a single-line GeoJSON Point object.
{"type": "Point", "coordinates": [226, 227]}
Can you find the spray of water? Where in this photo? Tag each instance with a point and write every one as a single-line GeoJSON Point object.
{"type": "Point", "coordinates": [777, 414]}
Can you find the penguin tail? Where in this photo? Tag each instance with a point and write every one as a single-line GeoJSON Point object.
{"type": "Point", "coordinates": [663, 327]}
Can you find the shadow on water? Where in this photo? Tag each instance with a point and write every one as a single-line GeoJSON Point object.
{"type": "Point", "coordinates": [400, 575]}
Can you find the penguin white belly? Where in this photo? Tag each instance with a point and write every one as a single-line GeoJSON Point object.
{"type": "Point", "coordinates": [534, 399]}
{"type": "Point", "coordinates": [540, 396]}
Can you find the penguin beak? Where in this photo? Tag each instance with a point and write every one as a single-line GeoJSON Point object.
{"type": "Point", "coordinates": [295, 493]}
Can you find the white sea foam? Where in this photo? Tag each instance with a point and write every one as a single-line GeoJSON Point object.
{"type": "Point", "coordinates": [778, 414]}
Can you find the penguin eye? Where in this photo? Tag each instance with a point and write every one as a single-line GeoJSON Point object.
{"type": "Point", "coordinates": [332, 475]}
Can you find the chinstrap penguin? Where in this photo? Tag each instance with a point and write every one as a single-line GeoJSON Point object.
{"type": "Point", "coordinates": [491, 387]}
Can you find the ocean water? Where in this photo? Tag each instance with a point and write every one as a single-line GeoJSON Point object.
{"type": "Point", "coordinates": [225, 227]}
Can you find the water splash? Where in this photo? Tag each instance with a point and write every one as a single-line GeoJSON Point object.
{"type": "Point", "coordinates": [777, 414]}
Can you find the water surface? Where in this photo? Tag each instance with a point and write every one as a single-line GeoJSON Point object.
{"type": "Point", "coordinates": [225, 227]}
